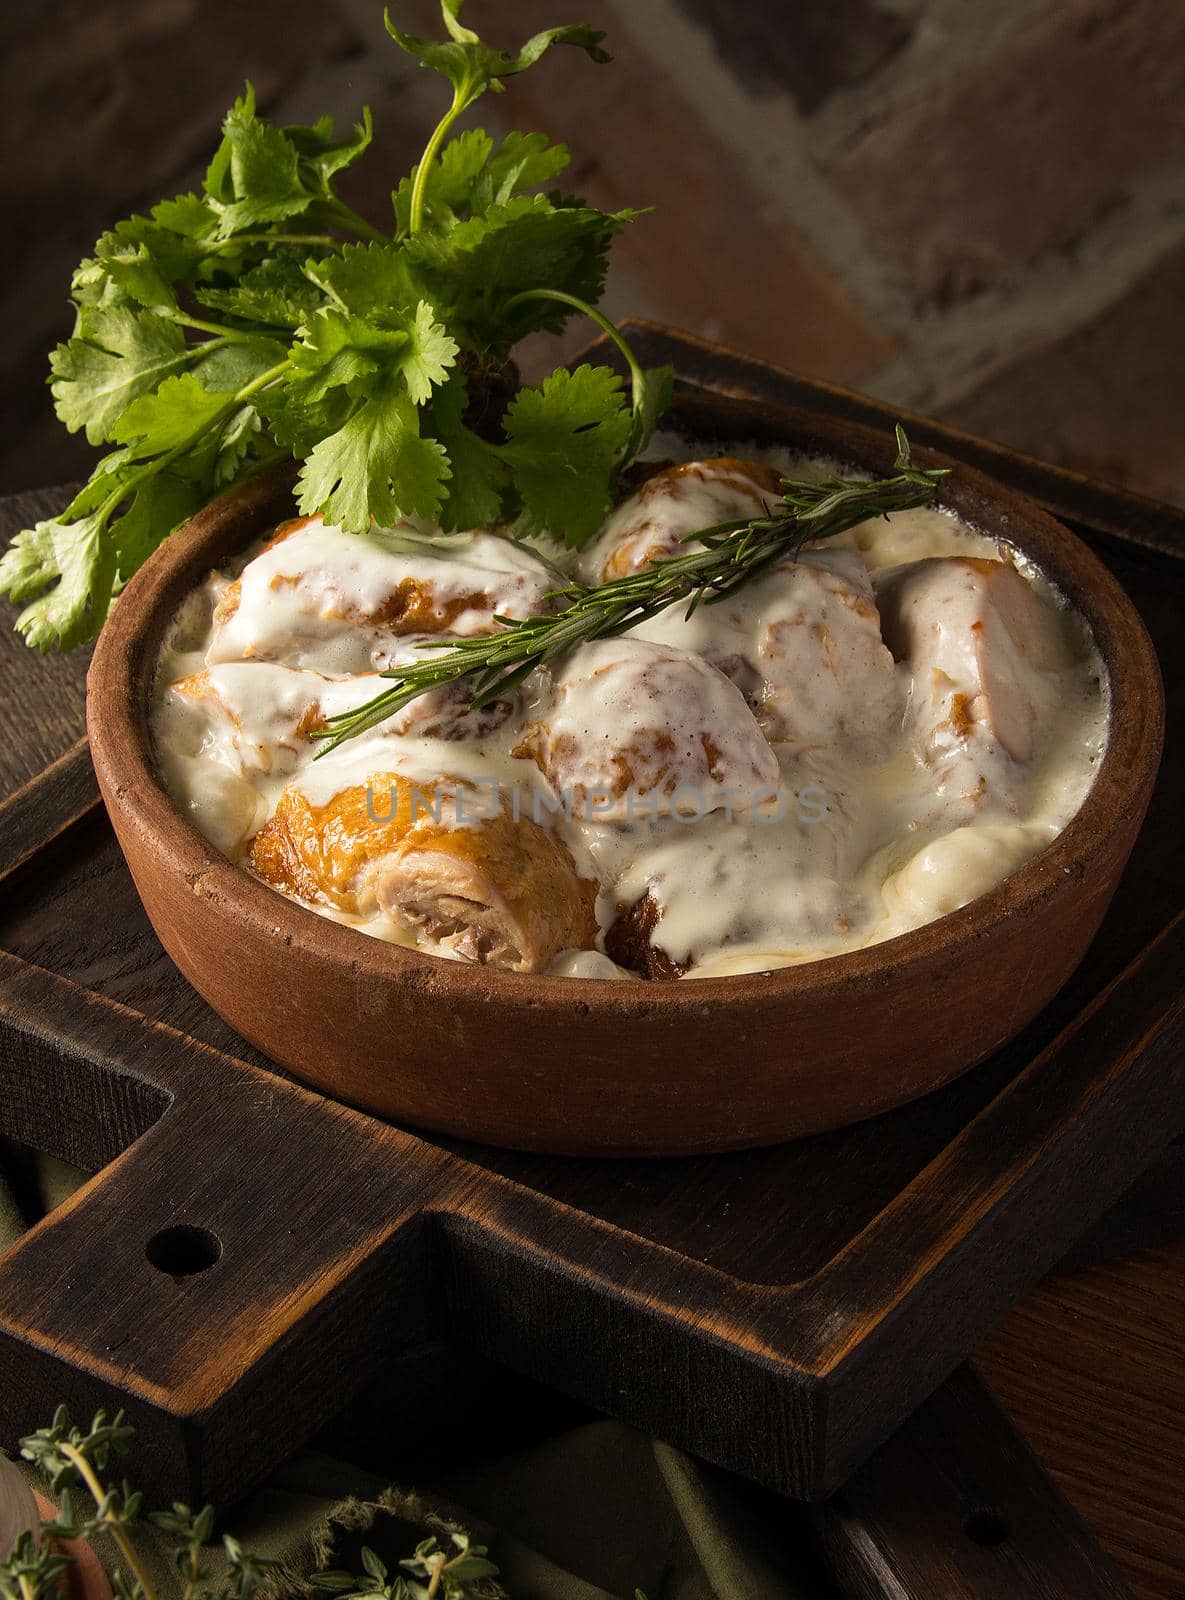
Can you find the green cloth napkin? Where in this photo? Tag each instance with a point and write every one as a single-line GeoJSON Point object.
{"type": "Point", "coordinates": [591, 1514]}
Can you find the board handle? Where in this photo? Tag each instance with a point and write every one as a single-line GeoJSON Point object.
{"type": "Point", "coordinates": [213, 1264]}
{"type": "Point", "coordinates": [47, 806]}
{"type": "Point", "coordinates": [956, 1505]}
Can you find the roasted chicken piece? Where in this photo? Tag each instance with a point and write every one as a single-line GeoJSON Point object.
{"type": "Point", "coordinates": [262, 717]}
{"type": "Point", "coordinates": [701, 894]}
{"type": "Point", "coordinates": [982, 646]}
{"type": "Point", "coordinates": [977, 636]}
{"type": "Point", "coordinates": [803, 644]}
{"type": "Point", "coordinates": [257, 715]}
{"type": "Point", "coordinates": [441, 713]}
{"type": "Point", "coordinates": [319, 598]}
{"type": "Point", "coordinates": [625, 727]}
{"type": "Point", "coordinates": [494, 887]}
{"type": "Point", "coordinates": [824, 672]}
{"type": "Point", "coordinates": [676, 501]}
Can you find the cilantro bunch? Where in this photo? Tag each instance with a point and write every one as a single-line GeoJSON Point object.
{"type": "Point", "coordinates": [264, 319]}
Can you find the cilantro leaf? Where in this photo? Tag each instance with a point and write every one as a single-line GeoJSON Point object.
{"type": "Point", "coordinates": [479, 474]}
{"type": "Point", "coordinates": [71, 568]}
{"type": "Point", "coordinates": [472, 67]}
{"type": "Point", "coordinates": [429, 355]}
{"type": "Point", "coordinates": [469, 176]}
{"type": "Point", "coordinates": [522, 161]}
{"type": "Point", "coordinates": [138, 262]}
{"type": "Point", "coordinates": [92, 288]}
{"type": "Point", "coordinates": [456, 169]}
{"type": "Point", "coordinates": [339, 351]}
{"type": "Point", "coordinates": [658, 390]}
{"type": "Point", "coordinates": [190, 215]}
{"type": "Point", "coordinates": [261, 174]}
{"type": "Point", "coordinates": [278, 293]}
{"type": "Point", "coordinates": [450, 178]}
{"type": "Point", "coordinates": [126, 259]}
{"type": "Point", "coordinates": [376, 466]}
{"type": "Point", "coordinates": [236, 440]}
{"type": "Point", "coordinates": [159, 507]}
{"type": "Point", "coordinates": [365, 278]}
{"type": "Point", "coordinates": [297, 424]}
{"type": "Point", "coordinates": [119, 355]}
{"type": "Point", "coordinates": [526, 243]}
{"type": "Point", "coordinates": [322, 156]}
{"type": "Point", "coordinates": [180, 408]}
{"type": "Point", "coordinates": [29, 563]}
{"type": "Point", "coordinates": [184, 412]}
{"type": "Point", "coordinates": [254, 177]}
{"type": "Point", "coordinates": [232, 366]}
{"type": "Point", "coordinates": [146, 259]}
{"type": "Point", "coordinates": [565, 440]}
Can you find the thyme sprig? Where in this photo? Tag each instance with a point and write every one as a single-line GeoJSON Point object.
{"type": "Point", "coordinates": [455, 1573]}
{"type": "Point", "coordinates": [74, 1458]}
{"type": "Point", "coordinates": [718, 561]}
{"type": "Point", "coordinates": [78, 1458]}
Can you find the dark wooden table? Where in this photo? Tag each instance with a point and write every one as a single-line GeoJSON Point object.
{"type": "Point", "coordinates": [1092, 1368]}
{"type": "Point", "coordinates": [1091, 1364]}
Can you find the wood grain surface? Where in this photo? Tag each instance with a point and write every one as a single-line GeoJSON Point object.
{"type": "Point", "coordinates": [1091, 1364]}
{"type": "Point", "coordinates": [956, 1506]}
{"type": "Point", "coordinates": [1088, 1362]}
{"type": "Point", "coordinates": [43, 704]}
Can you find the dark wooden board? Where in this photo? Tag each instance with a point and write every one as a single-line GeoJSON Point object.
{"type": "Point", "coordinates": [956, 1506]}
{"type": "Point", "coordinates": [43, 711]}
{"type": "Point", "coordinates": [778, 1312]}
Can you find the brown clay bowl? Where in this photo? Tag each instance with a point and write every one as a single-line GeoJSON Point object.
{"type": "Point", "coordinates": [593, 1068]}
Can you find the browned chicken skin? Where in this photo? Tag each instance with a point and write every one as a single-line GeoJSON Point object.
{"type": "Point", "coordinates": [310, 599]}
{"type": "Point", "coordinates": [626, 721]}
{"type": "Point", "coordinates": [411, 607]}
{"type": "Point", "coordinates": [642, 530]}
{"type": "Point", "coordinates": [628, 941]}
{"type": "Point", "coordinates": [975, 634]}
{"type": "Point", "coordinates": [503, 889]}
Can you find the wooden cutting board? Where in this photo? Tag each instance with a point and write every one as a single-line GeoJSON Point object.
{"type": "Point", "coordinates": [777, 1312]}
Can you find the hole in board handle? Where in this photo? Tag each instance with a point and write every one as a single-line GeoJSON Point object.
{"type": "Point", "coordinates": [183, 1251]}
{"type": "Point", "coordinates": [986, 1527]}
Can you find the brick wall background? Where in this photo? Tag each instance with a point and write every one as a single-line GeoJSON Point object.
{"type": "Point", "coordinates": [977, 210]}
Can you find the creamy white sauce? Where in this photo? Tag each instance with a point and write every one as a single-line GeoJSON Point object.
{"type": "Point", "coordinates": [316, 599]}
{"type": "Point", "coordinates": [842, 797]}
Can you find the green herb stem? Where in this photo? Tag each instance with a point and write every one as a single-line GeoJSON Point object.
{"type": "Point", "coordinates": [326, 239]}
{"type": "Point", "coordinates": [99, 1495]}
{"type": "Point", "coordinates": [128, 487]}
{"type": "Point", "coordinates": [223, 334]}
{"type": "Point", "coordinates": [637, 376]}
{"type": "Point", "coordinates": [419, 189]}
{"type": "Point", "coordinates": [347, 217]}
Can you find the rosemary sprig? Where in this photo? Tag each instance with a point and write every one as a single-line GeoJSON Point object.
{"type": "Point", "coordinates": [729, 555]}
